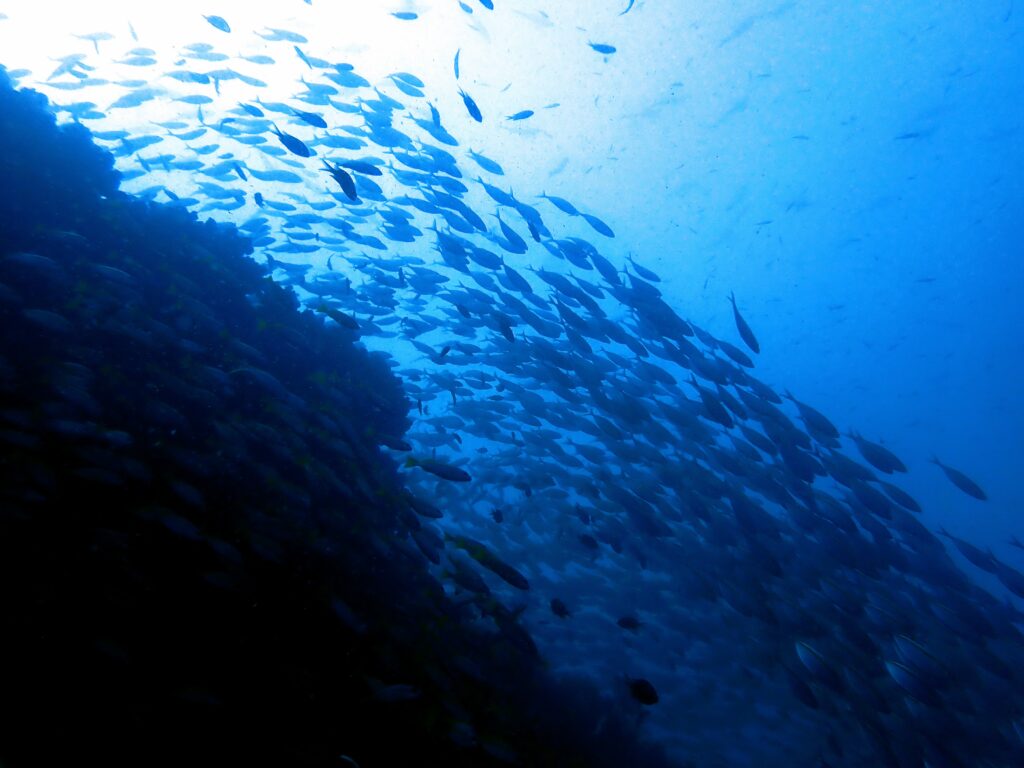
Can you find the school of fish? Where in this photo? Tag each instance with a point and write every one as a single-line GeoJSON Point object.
{"type": "Point", "coordinates": [717, 553]}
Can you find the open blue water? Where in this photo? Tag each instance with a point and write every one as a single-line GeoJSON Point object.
{"type": "Point", "coordinates": [530, 217]}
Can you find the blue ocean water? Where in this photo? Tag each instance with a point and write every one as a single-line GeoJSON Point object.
{"type": "Point", "coordinates": [521, 226]}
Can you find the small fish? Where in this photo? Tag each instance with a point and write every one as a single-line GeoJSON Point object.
{"type": "Point", "coordinates": [292, 144]}
{"type": "Point", "coordinates": [310, 118]}
{"type": "Point", "coordinates": [628, 8]}
{"type": "Point", "coordinates": [440, 469]}
{"type": "Point", "coordinates": [603, 48]}
{"type": "Point", "coordinates": [405, 15]}
{"type": "Point", "coordinates": [303, 56]}
{"type": "Point", "coordinates": [521, 115]}
{"type": "Point", "coordinates": [254, 111]}
{"type": "Point", "coordinates": [367, 169]}
{"type": "Point", "coordinates": [880, 457]}
{"type": "Point", "coordinates": [479, 552]}
{"type": "Point", "coordinates": [391, 694]}
{"type": "Point", "coordinates": [559, 608]}
{"type": "Point", "coordinates": [486, 163]}
{"type": "Point", "coordinates": [218, 22]}
{"type": "Point", "coordinates": [345, 321]}
{"type": "Point", "coordinates": [741, 325]}
{"type": "Point", "coordinates": [457, 53]}
{"type": "Point", "coordinates": [345, 181]}
{"type": "Point", "coordinates": [471, 107]}
{"type": "Point", "coordinates": [961, 481]}
{"type": "Point", "coordinates": [497, 515]}
{"type": "Point", "coordinates": [642, 690]}
{"type": "Point", "coordinates": [632, 623]}
{"type": "Point", "coordinates": [561, 204]}
{"type": "Point", "coordinates": [646, 274]}
{"type": "Point", "coordinates": [598, 225]}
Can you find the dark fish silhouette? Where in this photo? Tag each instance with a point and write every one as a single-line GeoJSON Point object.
{"type": "Point", "coordinates": [345, 181]}
{"type": "Point", "coordinates": [961, 481]}
{"type": "Point", "coordinates": [741, 325]}
{"type": "Point", "coordinates": [471, 107]}
{"type": "Point", "coordinates": [880, 457]}
{"type": "Point", "coordinates": [292, 144]}
{"type": "Point", "coordinates": [642, 690]}
{"type": "Point", "coordinates": [310, 118]}
{"type": "Point", "coordinates": [440, 469]}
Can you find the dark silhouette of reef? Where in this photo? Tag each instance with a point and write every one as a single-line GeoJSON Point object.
{"type": "Point", "coordinates": [204, 553]}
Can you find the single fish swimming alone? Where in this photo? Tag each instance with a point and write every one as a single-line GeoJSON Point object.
{"type": "Point", "coordinates": [521, 115]}
{"type": "Point", "coordinates": [603, 48]}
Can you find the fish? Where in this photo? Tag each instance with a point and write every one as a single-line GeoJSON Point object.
{"type": "Point", "coordinates": [961, 481]}
{"type": "Point", "coordinates": [561, 204]}
{"type": "Point", "coordinates": [310, 118]}
{"type": "Point", "coordinates": [643, 691]}
{"type": "Point", "coordinates": [486, 163]}
{"type": "Point", "coordinates": [252, 110]}
{"type": "Point", "coordinates": [471, 107]}
{"type": "Point", "coordinates": [522, 115]}
{"type": "Point", "coordinates": [741, 325]}
{"type": "Point", "coordinates": [218, 22]}
{"type": "Point", "coordinates": [880, 457]}
{"type": "Point", "coordinates": [342, 319]}
{"type": "Point", "coordinates": [291, 143]}
{"type": "Point", "coordinates": [598, 225]}
{"type": "Point", "coordinates": [440, 469]}
{"type": "Point", "coordinates": [405, 15]}
{"type": "Point", "coordinates": [645, 273]}
{"type": "Point", "coordinates": [632, 623]}
{"type": "Point", "coordinates": [457, 53]}
{"type": "Point", "coordinates": [559, 608]}
{"type": "Point", "coordinates": [302, 55]}
{"type": "Point", "coordinates": [483, 555]}
{"type": "Point", "coordinates": [629, 6]}
{"type": "Point", "coordinates": [604, 48]}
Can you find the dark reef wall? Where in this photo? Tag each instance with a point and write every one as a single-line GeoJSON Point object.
{"type": "Point", "coordinates": [204, 555]}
